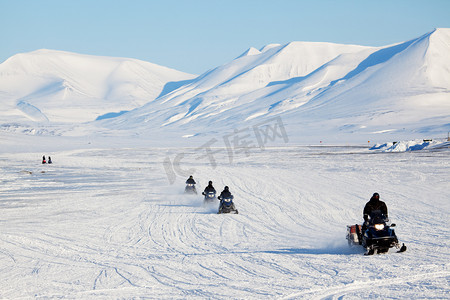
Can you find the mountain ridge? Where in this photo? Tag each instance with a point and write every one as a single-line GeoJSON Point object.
{"type": "Point", "coordinates": [401, 88]}
{"type": "Point", "coordinates": [45, 77]}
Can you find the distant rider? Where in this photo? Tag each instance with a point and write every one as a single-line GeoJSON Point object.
{"type": "Point", "coordinates": [190, 180]}
{"type": "Point", "coordinates": [190, 186]}
{"type": "Point", "coordinates": [209, 189]}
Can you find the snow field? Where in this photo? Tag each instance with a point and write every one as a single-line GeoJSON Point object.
{"type": "Point", "coordinates": [107, 223]}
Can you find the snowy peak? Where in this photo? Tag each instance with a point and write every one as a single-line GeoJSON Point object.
{"type": "Point", "coordinates": [274, 63]}
{"type": "Point", "coordinates": [250, 51]}
{"type": "Point", "coordinates": [57, 82]}
{"type": "Point", "coordinates": [302, 58]}
{"type": "Point", "coordinates": [372, 89]}
{"type": "Point", "coordinates": [269, 46]}
{"type": "Point", "coordinates": [315, 87]}
{"type": "Point", "coordinates": [442, 34]}
{"type": "Point", "coordinates": [437, 60]}
{"type": "Point", "coordinates": [424, 61]}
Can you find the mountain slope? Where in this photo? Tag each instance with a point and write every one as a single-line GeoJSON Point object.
{"type": "Point", "coordinates": [397, 83]}
{"type": "Point", "coordinates": [226, 87]}
{"type": "Point", "coordinates": [315, 87]}
{"type": "Point", "coordinates": [69, 87]}
{"type": "Point", "coordinates": [320, 90]}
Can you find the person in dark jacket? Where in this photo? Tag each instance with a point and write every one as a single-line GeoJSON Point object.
{"type": "Point", "coordinates": [374, 204]}
{"type": "Point", "coordinates": [225, 194]}
{"type": "Point", "coordinates": [190, 180]}
{"type": "Point", "coordinates": [209, 188]}
{"type": "Point", "coordinates": [190, 186]}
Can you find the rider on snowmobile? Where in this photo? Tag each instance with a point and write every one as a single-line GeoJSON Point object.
{"type": "Point", "coordinates": [225, 194]}
{"type": "Point", "coordinates": [374, 204]}
{"type": "Point", "coordinates": [190, 180]}
{"type": "Point", "coordinates": [209, 188]}
{"type": "Point", "coordinates": [190, 186]}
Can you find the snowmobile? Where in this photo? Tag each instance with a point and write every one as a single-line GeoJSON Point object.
{"type": "Point", "coordinates": [190, 189]}
{"type": "Point", "coordinates": [209, 197]}
{"type": "Point", "coordinates": [227, 206]}
{"type": "Point", "coordinates": [377, 236]}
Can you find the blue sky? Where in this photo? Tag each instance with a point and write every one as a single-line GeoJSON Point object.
{"type": "Point", "coordinates": [196, 35]}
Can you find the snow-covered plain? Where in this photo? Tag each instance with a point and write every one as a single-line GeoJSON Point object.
{"type": "Point", "coordinates": [106, 222]}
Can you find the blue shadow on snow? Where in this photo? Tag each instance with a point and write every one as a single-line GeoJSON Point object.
{"type": "Point", "coordinates": [329, 251]}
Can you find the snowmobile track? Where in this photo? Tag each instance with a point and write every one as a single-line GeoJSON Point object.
{"type": "Point", "coordinates": [339, 291]}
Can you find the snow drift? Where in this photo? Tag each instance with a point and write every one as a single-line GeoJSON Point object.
{"type": "Point", "coordinates": [414, 145]}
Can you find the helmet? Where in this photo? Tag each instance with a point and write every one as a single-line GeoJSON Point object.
{"type": "Point", "coordinates": [375, 197]}
{"type": "Point", "coordinates": [210, 182]}
{"type": "Point", "coordinates": [226, 188]}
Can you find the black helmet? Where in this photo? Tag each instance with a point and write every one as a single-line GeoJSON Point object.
{"type": "Point", "coordinates": [210, 182]}
{"type": "Point", "coordinates": [226, 188]}
{"type": "Point", "coordinates": [375, 196]}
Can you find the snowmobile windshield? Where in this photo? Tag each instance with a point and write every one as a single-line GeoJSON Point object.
{"type": "Point", "coordinates": [378, 223]}
{"type": "Point", "coordinates": [377, 217]}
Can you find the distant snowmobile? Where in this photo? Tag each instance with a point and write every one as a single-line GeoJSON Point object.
{"type": "Point", "coordinates": [379, 237]}
{"type": "Point", "coordinates": [190, 189]}
{"type": "Point", "coordinates": [227, 206]}
{"type": "Point", "coordinates": [209, 197]}
{"type": "Point", "coordinates": [190, 186]}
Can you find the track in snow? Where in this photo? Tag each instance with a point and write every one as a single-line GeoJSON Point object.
{"type": "Point", "coordinates": [107, 223]}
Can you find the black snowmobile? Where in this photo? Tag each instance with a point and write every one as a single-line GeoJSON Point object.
{"type": "Point", "coordinates": [227, 206]}
{"type": "Point", "coordinates": [190, 189]}
{"type": "Point", "coordinates": [209, 197]}
{"type": "Point", "coordinates": [377, 236]}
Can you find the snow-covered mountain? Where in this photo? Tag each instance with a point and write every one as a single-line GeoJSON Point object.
{"type": "Point", "coordinates": [56, 86]}
{"type": "Point", "coordinates": [318, 89]}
